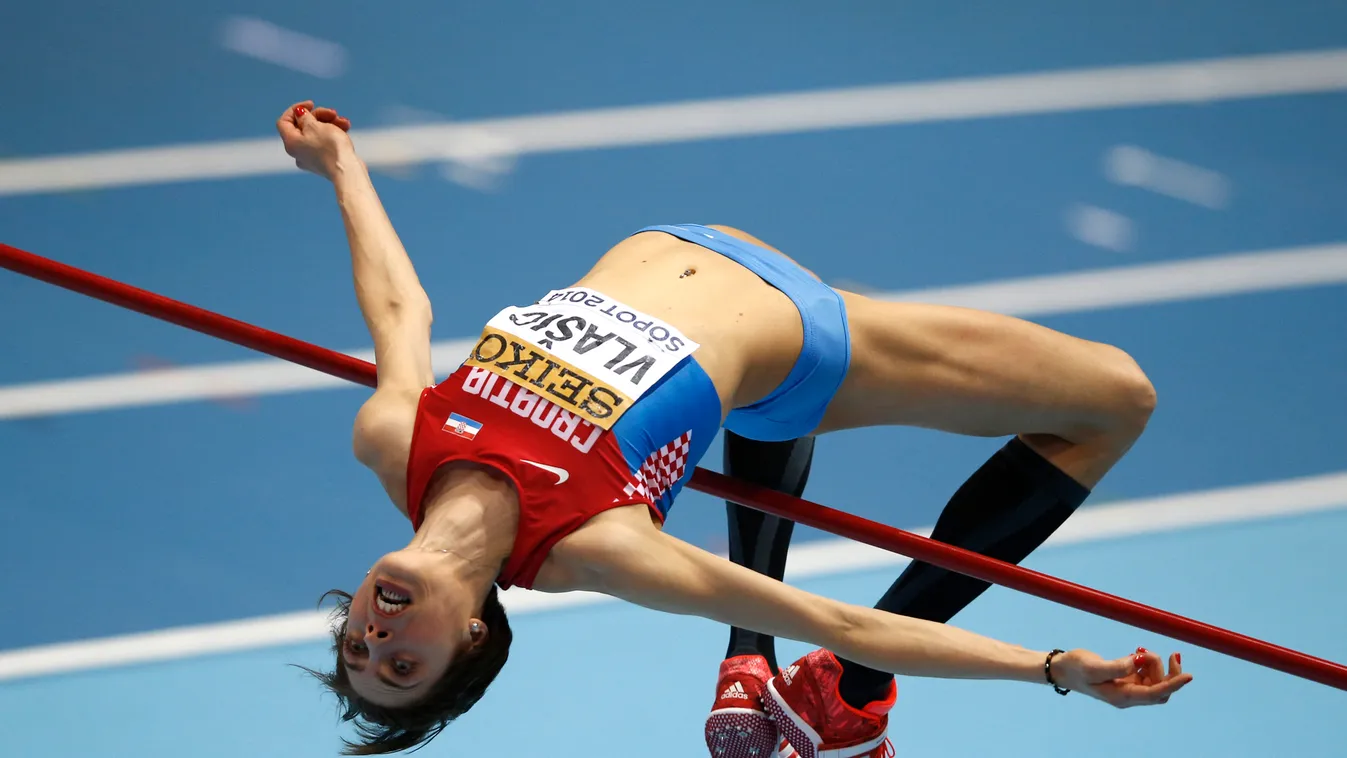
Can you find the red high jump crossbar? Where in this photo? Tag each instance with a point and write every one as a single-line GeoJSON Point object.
{"type": "Point", "coordinates": [718, 485]}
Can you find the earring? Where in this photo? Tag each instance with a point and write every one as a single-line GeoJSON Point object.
{"type": "Point", "coordinates": [475, 627]}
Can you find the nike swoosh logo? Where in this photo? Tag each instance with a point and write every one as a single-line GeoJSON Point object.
{"type": "Point", "coordinates": [562, 474]}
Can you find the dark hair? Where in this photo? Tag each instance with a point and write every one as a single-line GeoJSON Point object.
{"type": "Point", "coordinates": [390, 730]}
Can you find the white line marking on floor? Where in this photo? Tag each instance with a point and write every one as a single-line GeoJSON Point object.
{"type": "Point", "coordinates": [808, 561]}
{"type": "Point", "coordinates": [264, 41]}
{"type": "Point", "coordinates": [1095, 289]}
{"type": "Point", "coordinates": [1101, 227]}
{"type": "Point", "coordinates": [1132, 166]}
{"type": "Point", "coordinates": [502, 139]}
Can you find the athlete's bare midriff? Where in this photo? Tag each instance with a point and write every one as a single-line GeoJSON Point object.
{"type": "Point", "coordinates": [750, 332]}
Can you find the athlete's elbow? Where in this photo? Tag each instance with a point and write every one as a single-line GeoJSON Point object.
{"type": "Point", "coordinates": [396, 319]}
{"type": "Point", "coordinates": [407, 308]}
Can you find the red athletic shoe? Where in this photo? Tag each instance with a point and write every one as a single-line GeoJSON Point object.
{"type": "Point", "coordinates": [810, 714]}
{"type": "Point", "coordinates": [738, 727]}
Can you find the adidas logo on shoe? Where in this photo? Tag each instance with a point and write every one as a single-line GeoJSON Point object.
{"type": "Point", "coordinates": [789, 673]}
{"type": "Point", "coordinates": [735, 692]}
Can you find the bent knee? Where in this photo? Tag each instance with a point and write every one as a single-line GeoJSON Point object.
{"type": "Point", "coordinates": [1131, 395]}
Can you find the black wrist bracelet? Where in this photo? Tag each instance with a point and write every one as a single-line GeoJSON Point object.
{"type": "Point", "coordinates": [1047, 672]}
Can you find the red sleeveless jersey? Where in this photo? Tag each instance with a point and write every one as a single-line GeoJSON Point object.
{"type": "Point", "coordinates": [565, 469]}
{"type": "Point", "coordinates": [584, 403]}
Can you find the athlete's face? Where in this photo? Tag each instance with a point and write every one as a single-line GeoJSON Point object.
{"type": "Point", "coordinates": [406, 624]}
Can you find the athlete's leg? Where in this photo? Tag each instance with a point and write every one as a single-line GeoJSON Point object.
{"type": "Point", "coordinates": [738, 725]}
{"type": "Point", "coordinates": [757, 540]}
{"type": "Point", "coordinates": [1080, 404]}
{"type": "Point", "coordinates": [1077, 406]}
{"type": "Point", "coordinates": [1005, 510]}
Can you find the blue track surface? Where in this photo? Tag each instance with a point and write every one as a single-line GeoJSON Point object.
{"type": "Point", "coordinates": [133, 520]}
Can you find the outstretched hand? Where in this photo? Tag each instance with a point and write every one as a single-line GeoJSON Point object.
{"type": "Point", "coordinates": [1138, 679]}
{"type": "Point", "coordinates": [315, 137]}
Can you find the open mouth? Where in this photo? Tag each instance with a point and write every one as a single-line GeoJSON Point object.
{"type": "Point", "coordinates": [390, 600]}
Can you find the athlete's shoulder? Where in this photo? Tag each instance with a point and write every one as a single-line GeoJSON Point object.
{"type": "Point", "coordinates": [382, 435]}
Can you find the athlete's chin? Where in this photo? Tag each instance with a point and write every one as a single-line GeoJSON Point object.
{"type": "Point", "coordinates": [406, 569]}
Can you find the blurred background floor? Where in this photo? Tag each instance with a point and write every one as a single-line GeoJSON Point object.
{"type": "Point", "coordinates": [1196, 147]}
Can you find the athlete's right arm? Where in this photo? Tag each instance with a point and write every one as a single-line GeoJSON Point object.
{"type": "Point", "coordinates": [396, 309]}
{"type": "Point", "coordinates": [650, 568]}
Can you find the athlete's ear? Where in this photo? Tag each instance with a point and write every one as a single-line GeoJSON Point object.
{"type": "Point", "coordinates": [477, 632]}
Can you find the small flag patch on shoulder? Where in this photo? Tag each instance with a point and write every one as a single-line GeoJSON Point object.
{"type": "Point", "coordinates": [462, 426]}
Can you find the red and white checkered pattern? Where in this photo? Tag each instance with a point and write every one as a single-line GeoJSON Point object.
{"type": "Point", "coordinates": [659, 472]}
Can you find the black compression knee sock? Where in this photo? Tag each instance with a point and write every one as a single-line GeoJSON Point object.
{"type": "Point", "coordinates": [757, 540]}
{"type": "Point", "coordinates": [1005, 510]}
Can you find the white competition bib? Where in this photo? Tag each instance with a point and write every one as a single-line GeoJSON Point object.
{"type": "Point", "coordinates": [582, 350]}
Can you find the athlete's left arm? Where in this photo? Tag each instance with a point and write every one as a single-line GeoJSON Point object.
{"type": "Point", "coordinates": [650, 568]}
{"type": "Point", "coordinates": [396, 308]}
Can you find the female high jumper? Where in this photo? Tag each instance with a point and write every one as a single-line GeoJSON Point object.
{"type": "Point", "coordinates": [551, 457]}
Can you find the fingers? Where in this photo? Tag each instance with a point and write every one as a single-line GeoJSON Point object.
{"type": "Point", "coordinates": [293, 119]}
{"type": "Point", "coordinates": [1159, 693]}
{"type": "Point", "coordinates": [304, 117]}
{"type": "Point", "coordinates": [1122, 694]}
{"type": "Point", "coordinates": [1154, 687]}
{"type": "Point", "coordinates": [288, 123]}
{"type": "Point", "coordinates": [1138, 679]}
{"type": "Point", "coordinates": [1149, 666]}
{"type": "Point", "coordinates": [295, 116]}
{"type": "Point", "coordinates": [1176, 679]}
{"type": "Point", "coordinates": [329, 116]}
{"type": "Point", "coordinates": [292, 113]}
